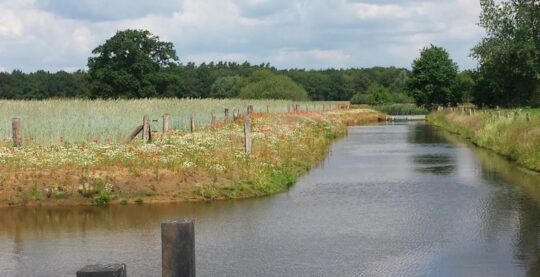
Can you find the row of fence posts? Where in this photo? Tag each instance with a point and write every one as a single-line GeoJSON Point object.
{"type": "Point", "coordinates": [497, 113]}
{"type": "Point", "coordinates": [146, 130]}
{"type": "Point", "coordinates": [177, 253]}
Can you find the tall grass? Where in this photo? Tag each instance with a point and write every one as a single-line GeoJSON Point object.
{"type": "Point", "coordinates": [76, 121]}
{"type": "Point", "coordinates": [401, 109]}
{"type": "Point", "coordinates": [507, 132]}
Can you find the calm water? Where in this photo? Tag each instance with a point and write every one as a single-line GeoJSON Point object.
{"type": "Point", "coordinates": [390, 200]}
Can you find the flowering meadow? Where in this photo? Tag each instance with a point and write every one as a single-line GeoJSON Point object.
{"type": "Point", "coordinates": [76, 120]}
{"type": "Point", "coordinates": [178, 166]}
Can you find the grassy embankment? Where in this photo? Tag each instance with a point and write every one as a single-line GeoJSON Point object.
{"type": "Point", "coordinates": [507, 132]}
{"type": "Point", "coordinates": [179, 166]}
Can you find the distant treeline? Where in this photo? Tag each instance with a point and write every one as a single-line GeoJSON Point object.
{"type": "Point", "coordinates": [216, 80]}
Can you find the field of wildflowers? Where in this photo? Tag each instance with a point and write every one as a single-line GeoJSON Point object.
{"type": "Point", "coordinates": [76, 120]}
{"type": "Point", "coordinates": [178, 166]}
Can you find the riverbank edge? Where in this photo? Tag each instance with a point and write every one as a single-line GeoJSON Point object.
{"type": "Point", "coordinates": [516, 139]}
{"type": "Point", "coordinates": [241, 189]}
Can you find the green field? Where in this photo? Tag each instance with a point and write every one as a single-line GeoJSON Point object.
{"type": "Point", "coordinates": [76, 121]}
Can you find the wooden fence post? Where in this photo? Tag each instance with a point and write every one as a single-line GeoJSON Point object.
{"type": "Point", "coordinates": [528, 117]}
{"type": "Point", "coordinates": [226, 115]}
{"type": "Point", "coordinates": [247, 135]}
{"type": "Point", "coordinates": [16, 129]}
{"type": "Point", "coordinates": [178, 248]}
{"type": "Point", "coordinates": [112, 270]}
{"type": "Point", "coordinates": [212, 119]}
{"type": "Point", "coordinates": [250, 109]}
{"type": "Point", "coordinates": [166, 123]}
{"type": "Point", "coordinates": [146, 129]}
{"type": "Point", "coordinates": [235, 114]}
{"type": "Point", "coordinates": [192, 123]}
{"type": "Point", "coordinates": [267, 109]}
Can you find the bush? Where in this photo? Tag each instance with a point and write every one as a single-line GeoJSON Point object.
{"type": "Point", "coordinates": [401, 109]}
{"type": "Point", "coordinates": [267, 85]}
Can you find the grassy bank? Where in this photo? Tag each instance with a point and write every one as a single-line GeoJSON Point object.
{"type": "Point", "coordinates": [179, 166]}
{"type": "Point", "coordinates": [507, 132]}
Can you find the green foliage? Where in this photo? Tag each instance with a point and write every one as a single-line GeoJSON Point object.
{"type": "Point", "coordinates": [379, 95]}
{"type": "Point", "coordinates": [102, 199]}
{"type": "Point", "coordinates": [267, 85]}
{"type": "Point", "coordinates": [129, 65]}
{"type": "Point", "coordinates": [227, 87]}
{"type": "Point", "coordinates": [509, 57]}
{"type": "Point", "coordinates": [401, 109]}
{"type": "Point", "coordinates": [433, 79]}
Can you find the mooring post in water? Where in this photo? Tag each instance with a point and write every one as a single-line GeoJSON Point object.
{"type": "Point", "coordinates": [146, 129]}
{"type": "Point", "coordinates": [16, 129]}
{"type": "Point", "coordinates": [166, 123]}
{"type": "Point", "coordinates": [247, 135]}
{"type": "Point", "coordinates": [112, 270]}
{"type": "Point", "coordinates": [178, 248]}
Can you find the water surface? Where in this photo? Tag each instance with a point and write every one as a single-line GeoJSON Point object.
{"type": "Point", "coordinates": [390, 200]}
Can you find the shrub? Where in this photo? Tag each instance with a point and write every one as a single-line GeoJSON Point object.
{"type": "Point", "coordinates": [267, 85]}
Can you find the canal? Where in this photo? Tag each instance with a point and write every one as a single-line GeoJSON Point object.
{"type": "Point", "coordinates": [403, 199]}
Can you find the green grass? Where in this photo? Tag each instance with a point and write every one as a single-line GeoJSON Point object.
{"type": "Point", "coordinates": [401, 109]}
{"type": "Point", "coordinates": [502, 131]}
{"type": "Point", "coordinates": [77, 121]}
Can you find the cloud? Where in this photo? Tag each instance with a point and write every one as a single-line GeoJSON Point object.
{"type": "Point", "coordinates": [60, 34]}
{"type": "Point", "coordinates": [97, 10]}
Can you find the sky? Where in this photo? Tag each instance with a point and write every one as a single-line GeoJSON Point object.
{"type": "Point", "coordinates": [313, 34]}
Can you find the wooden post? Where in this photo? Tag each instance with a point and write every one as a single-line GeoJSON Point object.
{"type": "Point", "coordinates": [288, 108]}
{"type": "Point", "coordinates": [146, 129]}
{"type": "Point", "coordinates": [212, 120]}
{"type": "Point", "coordinates": [112, 270]}
{"type": "Point", "coordinates": [226, 115]}
{"type": "Point", "coordinates": [250, 109]}
{"type": "Point", "coordinates": [528, 116]}
{"type": "Point", "coordinates": [178, 248]}
{"type": "Point", "coordinates": [166, 123]}
{"type": "Point", "coordinates": [267, 109]}
{"type": "Point", "coordinates": [134, 133]}
{"type": "Point", "coordinates": [236, 114]}
{"type": "Point", "coordinates": [16, 129]}
{"type": "Point", "coordinates": [192, 123]}
{"type": "Point", "coordinates": [247, 135]}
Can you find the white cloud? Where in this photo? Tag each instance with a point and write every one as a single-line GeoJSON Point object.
{"type": "Point", "coordinates": [40, 34]}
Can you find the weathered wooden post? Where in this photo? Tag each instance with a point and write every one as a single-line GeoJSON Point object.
{"type": "Point", "coordinates": [323, 107]}
{"type": "Point", "coordinates": [166, 123]}
{"type": "Point", "coordinates": [192, 123]}
{"type": "Point", "coordinates": [267, 109]}
{"type": "Point", "coordinates": [250, 109]}
{"type": "Point", "coordinates": [16, 129]}
{"type": "Point", "coordinates": [146, 129]}
{"type": "Point", "coordinates": [236, 114]}
{"type": "Point", "coordinates": [212, 119]}
{"type": "Point", "coordinates": [111, 270]}
{"type": "Point", "coordinates": [247, 135]}
{"type": "Point", "coordinates": [226, 114]}
{"type": "Point", "coordinates": [528, 116]}
{"type": "Point", "coordinates": [296, 108]}
{"type": "Point", "coordinates": [288, 108]}
{"type": "Point", "coordinates": [178, 248]}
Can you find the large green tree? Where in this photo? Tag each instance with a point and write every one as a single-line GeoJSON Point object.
{"type": "Point", "coordinates": [509, 57]}
{"type": "Point", "coordinates": [433, 79]}
{"type": "Point", "coordinates": [265, 84]}
{"type": "Point", "coordinates": [129, 65]}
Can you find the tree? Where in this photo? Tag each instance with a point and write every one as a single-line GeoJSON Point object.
{"type": "Point", "coordinates": [227, 87]}
{"type": "Point", "coordinates": [375, 95]}
{"type": "Point", "coordinates": [128, 65]}
{"type": "Point", "coordinates": [264, 84]}
{"type": "Point", "coordinates": [433, 79]}
{"type": "Point", "coordinates": [509, 57]}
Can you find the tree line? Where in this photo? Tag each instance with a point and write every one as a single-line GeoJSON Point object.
{"type": "Point", "coordinates": [136, 64]}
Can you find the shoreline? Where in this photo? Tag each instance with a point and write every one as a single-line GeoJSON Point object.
{"type": "Point", "coordinates": [511, 135]}
{"type": "Point", "coordinates": [177, 167]}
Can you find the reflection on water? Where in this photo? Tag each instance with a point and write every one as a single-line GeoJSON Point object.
{"type": "Point", "coordinates": [391, 200]}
